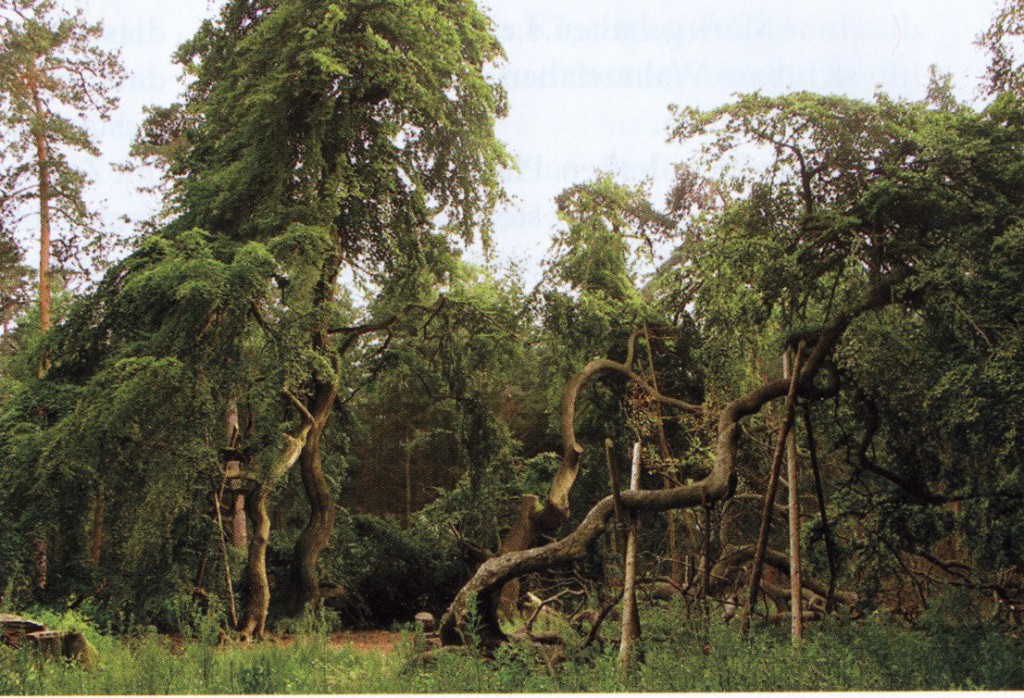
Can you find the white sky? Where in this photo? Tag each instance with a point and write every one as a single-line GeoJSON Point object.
{"type": "Point", "coordinates": [589, 81]}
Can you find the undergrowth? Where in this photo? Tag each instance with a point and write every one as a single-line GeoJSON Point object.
{"type": "Point", "coordinates": [680, 655]}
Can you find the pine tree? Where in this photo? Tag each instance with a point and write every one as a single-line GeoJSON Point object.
{"type": "Point", "coordinates": [53, 76]}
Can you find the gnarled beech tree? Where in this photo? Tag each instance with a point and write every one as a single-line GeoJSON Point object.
{"type": "Point", "coordinates": [337, 134]}
{"type": "Point", "coordinates": [257, 604]}
{"type": "Point", "coordinates": [480, 596]}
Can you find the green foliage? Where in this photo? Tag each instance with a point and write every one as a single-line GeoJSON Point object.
{"type": "Point", "coordinates": [390, 574]}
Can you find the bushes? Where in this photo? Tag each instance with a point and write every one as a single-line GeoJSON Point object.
{"type": "Point", "coordinates": [390, 574]}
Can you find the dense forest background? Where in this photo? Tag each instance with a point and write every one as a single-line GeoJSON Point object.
{"type": "Point", "coordinates": [294, 393]}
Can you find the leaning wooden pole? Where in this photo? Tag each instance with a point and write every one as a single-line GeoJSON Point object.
{"type": "Point", "coordinates": [795, 586]}
{"type": "Point", "coordinates": [675, 558]}
{"type": "Point", "coordinates": [613, 480]}
{"type": "Point", "coordinates": [769, 495]}
{"type": "Point", "coordinates": [628, 651]}
{"type": "Point", "coordinates": [812, 448]}
{"type": "Point", "coordinates": [230, 591]}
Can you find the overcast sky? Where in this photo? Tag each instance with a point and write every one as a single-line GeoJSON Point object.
{"type": "Point", "coordinates": [589, 81]}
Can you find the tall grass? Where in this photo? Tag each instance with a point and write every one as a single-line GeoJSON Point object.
{"type": "Point", "coordinates": [680, 655]}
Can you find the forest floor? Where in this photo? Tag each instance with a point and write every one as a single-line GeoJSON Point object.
{"type": "Point", "coordinates": [382, 641]}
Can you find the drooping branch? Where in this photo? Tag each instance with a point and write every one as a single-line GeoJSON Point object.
{"type": "Point", "coordinates": [545, 519]}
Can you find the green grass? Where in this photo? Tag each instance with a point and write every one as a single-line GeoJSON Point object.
{"type": "Point", "coordinates": [835, 656]}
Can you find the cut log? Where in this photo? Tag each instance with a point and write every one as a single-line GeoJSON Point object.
{"type": "Point", "coordinates": [13, 629]}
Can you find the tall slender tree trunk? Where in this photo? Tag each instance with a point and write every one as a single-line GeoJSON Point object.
{"type": "Point", "coordinates": [45, 188]}
{"type": "Point", "coordinates": [98, 514]}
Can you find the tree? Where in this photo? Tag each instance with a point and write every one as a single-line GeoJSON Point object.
{"type": "Point", "coordinates": [52, 77]}
{"type": "Point", "coordinates": [336, 134]}
{"type": "Point", "coordinates": [872, 226]}
{"type": "Point", "coordinates": [1004, 72]}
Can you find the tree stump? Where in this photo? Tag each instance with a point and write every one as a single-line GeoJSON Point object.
{"type": "Point", "coordinates": [425, 621]}
{"type": "Point", "coordinates": [47, 643]}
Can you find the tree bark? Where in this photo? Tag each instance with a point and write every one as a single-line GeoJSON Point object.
{"type": "Point", "coordinates": [257, 604]}
{"type": "Point", "coordinates": [519, 538]}
{"type": "Point", "coordinates": [323, 511]}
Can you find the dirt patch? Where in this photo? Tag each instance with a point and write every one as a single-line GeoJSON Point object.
{"type": "Point", "coordinates": [367, 640]}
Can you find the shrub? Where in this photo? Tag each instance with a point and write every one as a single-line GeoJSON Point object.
{"type": "Point", "coordinates": [390, 574]}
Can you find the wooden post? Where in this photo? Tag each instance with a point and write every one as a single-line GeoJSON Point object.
{"type": "Point", "coordinates": [613, 479]}
{"type": "Point", "coordinates": [769, 495]}
{"type": "Point", "coordinates": [628, 652]}
{"type": "Point", "coordinates": [230, 591]}
{"type": "Point", "coordinates": [812, 448]}
{"type": "Point", "coordinates": [795, 586]}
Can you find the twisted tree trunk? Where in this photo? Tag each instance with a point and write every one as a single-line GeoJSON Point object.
{"type": "Point", "coordinates": [257, 604]}
{"type": "Point", "coordinates": [478, 596]}
{"type": "Point", "coordinates": [323, 511]}
{"type": "Point", "coordinates": [537, 520]}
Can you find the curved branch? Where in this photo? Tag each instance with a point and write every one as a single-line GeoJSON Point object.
{"type": "Point", "coordinates": [780, 561]}
{"type": "Point", "coordinates": [480, 592]}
